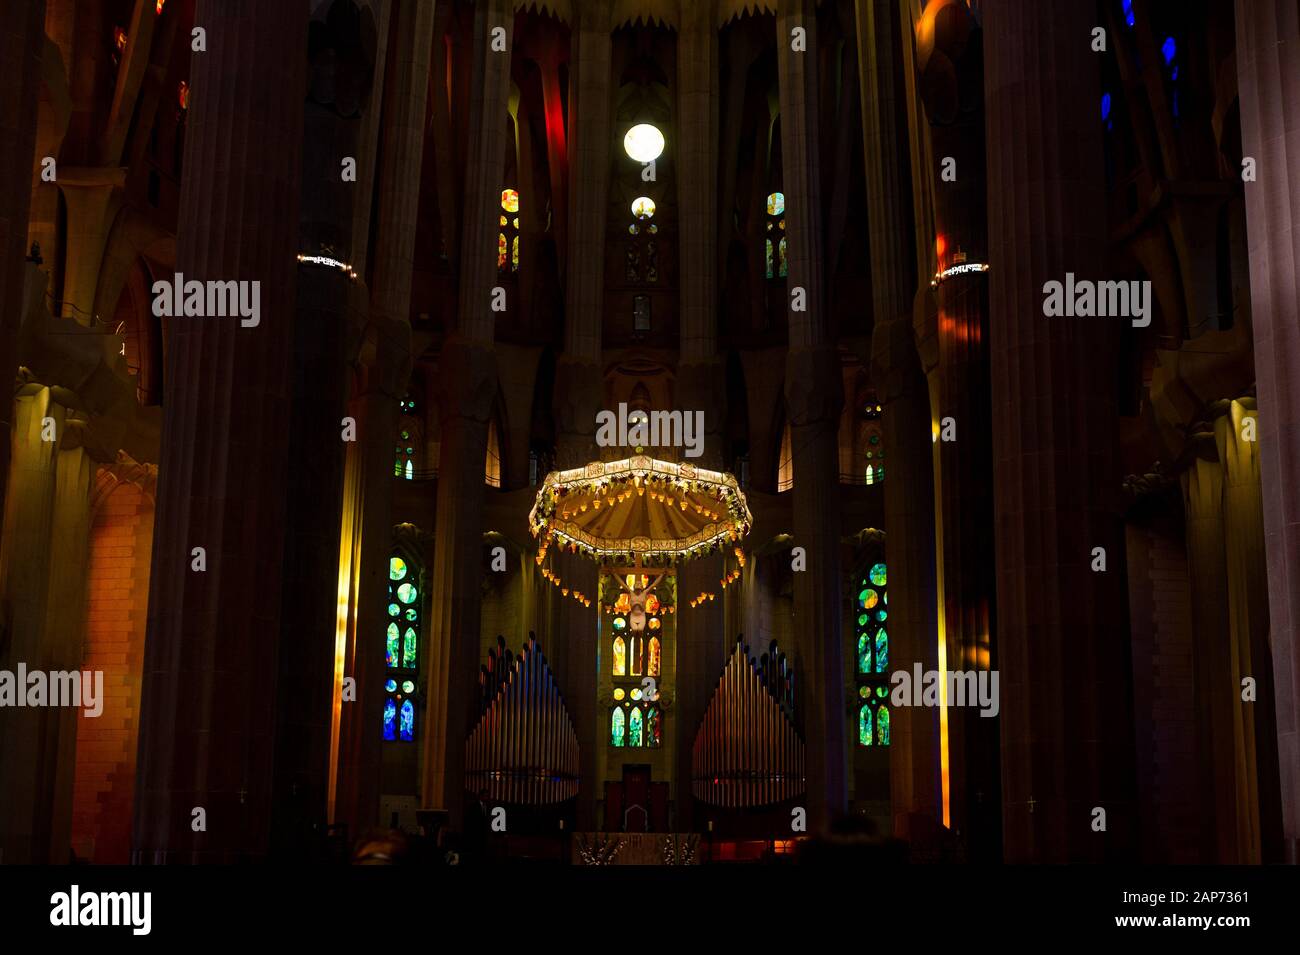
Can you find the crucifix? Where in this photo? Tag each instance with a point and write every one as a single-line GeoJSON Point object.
{"type": "Point", "coordinates": [636, 596]}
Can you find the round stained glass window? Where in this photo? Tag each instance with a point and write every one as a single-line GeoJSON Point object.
{"type": "Point", "coordinates": [620, 623]}
{"type": "Point", "coordinates": [618, 693]}
{"type": "Point", "coordinates": [776, 204]}
{"type": "Point", "coordinates": [878, 575]}
{"type": "Point", "coordinates": [396, 569]}
{"type": "Point", "coordinates": [864, 691]}
{"type": "Point", "coordinates": [862, 619]}
{"type": "Point", "coordinates": [509, 200]}
{"type": "Point", "coordinates": [391, 686]}
{"type": "Point", "coordinates": [406, 594]}
{"type": "Point", "coordinates": [411, 614]}
{"type": "Point", "coordinates": [654, 623]}
{"type": "Point", "coordinates": [868, 598]}
{"type": "Point", "coordinates": [643, 207]}
{"type": "Point", "coordinates": [636, 694]}
{"type": "Point", "coordinates": [408, 686]}
{"type": "Point", "coordinates": [394, 610]}
{"type": "Point", "coordinates": [881, 615]}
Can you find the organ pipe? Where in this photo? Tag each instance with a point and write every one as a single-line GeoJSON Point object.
{"type": "Point", "coordinates": [523, 748]}
{"type": "Point", "coordinates": [747, 751]}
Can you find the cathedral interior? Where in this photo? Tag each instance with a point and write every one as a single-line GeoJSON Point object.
{"type": "Point", "coordinates": [650, 431]}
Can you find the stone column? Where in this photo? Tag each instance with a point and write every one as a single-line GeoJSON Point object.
{"type": "Point", "coordinates": [384, 368]}
{"type": "Point", "coordinates": [701, 375]}
{"type": "Point", "coordinates": [1268, 75]}
{"type": "Point", "coordinates": [1212, 665]}
{"type": "Point", "coordinates": [467, 387]}
{"type": "Point", "coordinates": [22, 42]}
{"type": "Point", "coordinates": [579, 387]}
{"type": "Point", "coordinates": [24, 568]}
{"type": "Point", "coordinates": [915, 791]}
{"type": "Point", "coordinates": [1235, 433]}
{"type": "Point", "coordinates": [65, 634]}
{"type": "Point", "coordinates": [813, 398]}
{"type": "Point", "coordinates": [209, 695]}
{"type": "Point", "coordinates": [1066, 733]}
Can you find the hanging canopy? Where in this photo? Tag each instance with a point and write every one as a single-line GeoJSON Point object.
{"type": "Point", "coordinates": [640, 509]}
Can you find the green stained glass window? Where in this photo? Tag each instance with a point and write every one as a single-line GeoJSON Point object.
{"type": "Point", "coordinates": [616, 727]}
{"type": "Point", "coordinates": [406, 594]}
{"type": "Point", "coordinates": [873, 656]}
{"type": "Point", "coordinates": [634, 727]}
{"type": "Point", "coordinates": [393, 636]}
{"type": "Point", "coordinates": [408, 647]}
{"type": "Point", "coordinates": [396, 568]}
{"type": "Point", "coordinates": [394, 610]}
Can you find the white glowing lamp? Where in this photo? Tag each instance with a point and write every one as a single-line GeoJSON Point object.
{"type": "Point", "coordinates": [643, 142]}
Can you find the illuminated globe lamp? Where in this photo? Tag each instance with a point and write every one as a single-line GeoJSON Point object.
{"type": "Point", "coordinates": [644, 142]}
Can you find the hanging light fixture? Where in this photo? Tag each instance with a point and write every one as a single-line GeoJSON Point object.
{"type": "Point", "coordinates": [644, 142]}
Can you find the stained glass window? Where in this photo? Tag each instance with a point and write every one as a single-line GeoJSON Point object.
{"type": "Point", "coordinates": [409, 439]}
{"type": "Point", "coordinates": [508, 236]}
{"type": "Point", "coordinates": [634, 727]}
{"type": "Point", "coordinates": [871, 613]}
{"type": "Point", "coordinates": [641, 255]}
{"type": "Point", "coordinates": [774, 247]}
{"type": "Point", "coordinates": [402, 648]}
{"type": "Point", "coordinates": [636, 719]}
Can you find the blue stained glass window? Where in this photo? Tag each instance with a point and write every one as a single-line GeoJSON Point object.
{"type": "Point", "coordinates": [390, 719]}
{"type": "Point", "coordinates": [408, 722]}
{"type": "Point", "coordinates": [1105, 106]}
{"type": "Point", "coordinates": [1169, 49]}
{"type": "Point", "coordinates": [402, 646]}
{"type": "Point", "coordinates": [1128, 13]}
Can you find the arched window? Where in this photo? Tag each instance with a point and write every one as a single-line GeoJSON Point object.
{"type": "Point", "coordinates": [616, 727]}
{"type": "Point", "coordinates": [873, 656]}
{"type": "Point", "coordinates": [620, 657]}
{"type": "Point", "coordinates": [774, 243]}
{"type": "Point", "coordinates": [401, 657]}
{"type": "Point", "coordinates": [641, 257]}
{"type": "Point", "coordinates": [409, 438]}
{"type": "Point", "coordinates": [873, 443]}
{"type": "Point", "coordinates": [508, 237]}
{"type": "Point", "coordinates": [1169, 52]}
{"type": "Point", "coordinates": [785, 467]}
{"type": "Point", "coordinates": [636, 664]}
{"type": "Point", "coordinates": [492, 466]}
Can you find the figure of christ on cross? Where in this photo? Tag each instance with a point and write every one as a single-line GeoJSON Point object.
{"type": "Point", "coordinates": [637, 596]}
